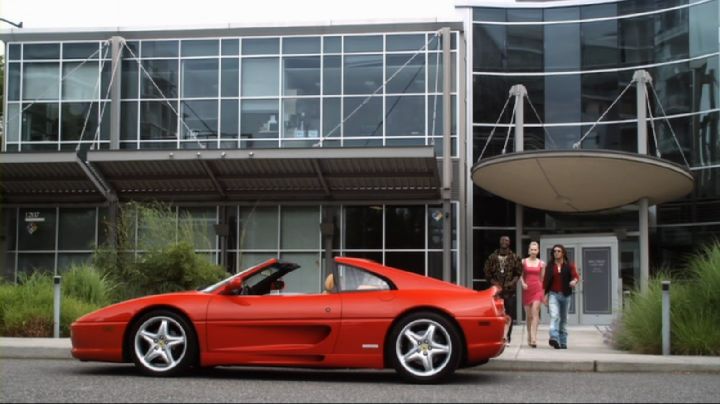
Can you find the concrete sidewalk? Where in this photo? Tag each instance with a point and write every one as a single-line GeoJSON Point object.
{"type": "Point", "coordinates": [587, 352]}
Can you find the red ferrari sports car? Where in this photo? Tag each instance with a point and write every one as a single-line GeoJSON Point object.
{"type": "Point", "coordinates": [374, 316]}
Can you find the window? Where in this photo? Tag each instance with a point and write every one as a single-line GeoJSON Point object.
{"type": "Point", "coordinates": [353, 279]}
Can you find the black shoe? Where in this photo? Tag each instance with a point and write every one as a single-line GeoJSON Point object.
{"type": "Point", "coordinates": [563, 346]}
{"type": "Point", "coordinates": [554, 344]}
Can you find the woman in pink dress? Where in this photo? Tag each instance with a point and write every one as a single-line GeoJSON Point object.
{"type": "Point", "coordinates": [533, 294]}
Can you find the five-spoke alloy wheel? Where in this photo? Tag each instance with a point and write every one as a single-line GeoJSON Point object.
{"type": "Point", "coordinates": [163, 343]}
{"type": "Point", "coordinates": [425, 347]}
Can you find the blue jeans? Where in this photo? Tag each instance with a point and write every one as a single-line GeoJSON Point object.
{"type": "Point", "coordinates": [558, 304]}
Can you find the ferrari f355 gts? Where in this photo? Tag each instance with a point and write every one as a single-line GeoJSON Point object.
{"type": "Point", "coordinates": [361, 315]}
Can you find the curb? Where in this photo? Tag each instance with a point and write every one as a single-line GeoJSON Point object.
{"type": "Point", "coordinates": [598, 366]}
{"type": "Point", "coordinates": [570, 365]}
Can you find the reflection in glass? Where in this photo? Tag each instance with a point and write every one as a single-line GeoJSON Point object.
{"type": "Point", "coordinates": [259, 119]}
{"type": "Point", "coordinates": [158, 120]}
{"type": "Point", "coordinates": [74, 116]}
{"type": "Point", "coordinates": [405, 227]}
{"type": "Point", "coordinates": [332, 80]}
{"type": "Point", "coordinates": [362, 74]}
{"type": "Point", "coordinates": [260, 46]}
{"type": "Point", "coordinates": [404, 116]}
{"type": "Point", "coordinates": [128, 120]}
{"type": "Point", "coordinates": [203, 47]}
{"type": "Point", "coordinates": [300, 45]}
{"type": "Point", "coordinates": [367, 119]}
{"type": "Point", "coordinates": [260, 77]}
{"type": "Point", "coordinates": [372, 43]}
{"type": "Point", "coordinates": [408, 261]}
{"type": "Point", "coordinates": [159, 49]}
{"type": "Point", "coordinates": [77, 229]}
{"type": "Point", "coordinates": [301, 75]}
{"type": "Point", "coordinates": [197, 224]}
{"type": "Point", "coordinates": [300, 227]}
{"type": "Point", "coordinates": [40, 51]}
{"type": "Point", "coordinates": [201, 118]}
{"type": "Point", "coordinates": [199, 78]}
{"type": "Point", "coordinates": [229, 119]}
{"type": "Point", "coordinates": [305, 279]}
{"type": "Point", "coordinates": [258, 228]}
{"type": "Point", "coordinates": [230, 77]}
{"type": "Point", "coordinates": [12, 132]}
{"type": "Point", "coordinates": [40, 122]}
{"type": "Point", "coordinates": [41, 81]}
{"type": "Point", "coordinates": [363, 227]}
{"type": "Point", "coordinates": [164, 75]}
{"type": "Point", "coordinates": [31, 263]}
{"type": "Point", "coordinates": [129, 82]}
{"type": "Point", "coordinates": [80, 50]}
{"type": "Point", "coordinates": [13, 89]}
{"type": "Point", "coordinates": [411, 79]}
{"type": "Point", "coordinates": [301, 118]}
{"type": "Point", "coordinates": [80, 81]}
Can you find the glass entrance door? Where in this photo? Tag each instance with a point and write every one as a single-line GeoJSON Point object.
{"type": "Point", "coordinates": [596, 298]}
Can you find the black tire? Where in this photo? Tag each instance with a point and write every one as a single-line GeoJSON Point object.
{"type": "Point", "coordinates": [412, 342]}
{"type": "Point", "coordinates": [162, 343]}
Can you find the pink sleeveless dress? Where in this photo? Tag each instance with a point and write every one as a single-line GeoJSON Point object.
{"type": "Point", "coordinates": [531, 275]}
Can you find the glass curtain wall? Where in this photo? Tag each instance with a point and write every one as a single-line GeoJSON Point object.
{"type": "Point", "coordinates": [574, 62]}
{"type": "Point", "coordinates": [408, 237]}
{"type": "Point", "coordinates": [54, 98]}
{"type": "Point", "coordinates": [364, 90]}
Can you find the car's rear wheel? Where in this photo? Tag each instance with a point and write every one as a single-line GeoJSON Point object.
{"type": "Point", "coordinates": [163, 343]}
{"type": "Point", "coordinates": [425, 348]}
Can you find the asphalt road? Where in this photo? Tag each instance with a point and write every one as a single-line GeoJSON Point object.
{"type": "Point", "coordinates": [72, 381]}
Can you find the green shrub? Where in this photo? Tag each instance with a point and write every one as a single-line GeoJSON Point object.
{"type": "Point", "coordinates": [86, 284]}
{"type": "Point", "coordinates": [27, 308]}
{"type": "Point", "coordinates": [694, 316]}
{"type": "Point", "coordinates": [166, 261]}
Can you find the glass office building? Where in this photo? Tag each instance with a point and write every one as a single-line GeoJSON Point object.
{"type": "Point", "coordinates": [575, 58]}
{"type": "Point", "coordinates": [359, 100]}
{"type": "Point", "coordinates": [339, 95]}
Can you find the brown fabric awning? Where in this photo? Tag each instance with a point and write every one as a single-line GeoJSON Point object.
{"type": "Point", "coordinates": [581, 180]}
{"type": "Point", "coordinates": [402, 173]}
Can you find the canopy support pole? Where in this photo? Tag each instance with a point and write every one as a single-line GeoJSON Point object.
{"type": "Point", "coordinates": [641, 78]}
{"type": "Point", "coordinates": [447, 157]}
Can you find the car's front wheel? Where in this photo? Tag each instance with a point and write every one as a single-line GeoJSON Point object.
{"type": "Point", "coordinates": [163, 343]}
{"type": "Point", "coordinates": [425, 348]}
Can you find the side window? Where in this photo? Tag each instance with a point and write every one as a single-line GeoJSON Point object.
{"type": "Point", "coordinates": [356, 279]}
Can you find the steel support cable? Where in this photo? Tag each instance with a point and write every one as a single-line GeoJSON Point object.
{"type": "Point", "coordinates": [667, 121]}
{"type": "Point", "coordinates": [175, 111]}
{"type": "Point", "coordinates": [549, 136]}
{"type": "Point", "coordinates": [492, 132]}
{"type": "Point", "coordinates": [70, 73]}
{"type": "Point", "coordinates": [507, 137]}
{"type": "Point", "coordinates": [435, 93]}
{"type": "Point", "coordinates": [96, 88]}
{"type": "Point", "coordinates": [367, 99]}
{"type": "Point", "coordinates": [577, 144]}
{"type": "Point", "coordinates": [652, 126]}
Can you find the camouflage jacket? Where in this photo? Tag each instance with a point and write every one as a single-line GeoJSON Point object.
{"type": "Point", "coordinates": [504, 270]}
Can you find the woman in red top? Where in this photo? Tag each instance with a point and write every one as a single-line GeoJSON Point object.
{"type": "Point", "coordinates": [533, 294]}
{"type": "Point", "coordinates": [560, 279]}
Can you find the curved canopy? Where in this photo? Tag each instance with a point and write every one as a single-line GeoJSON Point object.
{"type": "Point", "coordinates": [581, 180]}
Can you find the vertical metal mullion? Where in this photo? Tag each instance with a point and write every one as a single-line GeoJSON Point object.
{"type": "Point", "coordinates": [384, 90]}
{"type": "Point", "coordinates": [237, 238]}
{"type": "Point", "coordinates": [22, 96]}
{"type": "Point", "coordinates": [427, 89]}
{"type": "Point", "coordinates": [61, 63]}
{"type": "Point", "coordinates": [181, 74]}
{"type": "Point", "coordinates": [321, 126]}
{"type": "Point", "coordinates": [138, 101]}
{"type": "Point", "coordinates": [17, 242]}
{"type": "Point", "coordinates": [278, 235]}
{"type": "Point", "coordinates": [240, 66]}
{"type": "Point", "coordinates": [425, 242]}
{"type": "Point", "coordinates": [280, 119]}
{"type": "Point", "coordinates": [342, 90]}
{"type": "Point", "coordinates": [384, 218]}
{"type": "Point", "coordinates": [219, 94]}
{"type": "Point", "coordinates": [57, 234]}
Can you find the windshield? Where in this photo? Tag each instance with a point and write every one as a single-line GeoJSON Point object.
{"type": "Point", "coordinates": [223, 282]}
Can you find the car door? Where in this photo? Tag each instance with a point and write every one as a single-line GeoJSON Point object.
{"type": "Point", "coordinates": [273, 328]}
